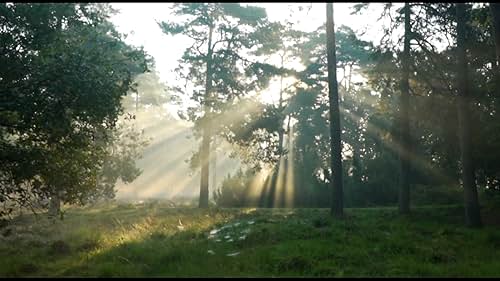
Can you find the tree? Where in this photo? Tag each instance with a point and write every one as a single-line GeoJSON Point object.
{"type": "Point", "coordinates": [213, 25]}
{"type": "Point", "coordinates": [66, 72]}
{"type": "Point", "coordinates": [148, 91]}
{"type": "Point", "coordinates": [404, 152]}
{"type": "Point", "coordinates": [335, 142]}
{"type": "Point", "coordinates": [495, 13]}
{"type": "Point", "coordinates": [472, 212]}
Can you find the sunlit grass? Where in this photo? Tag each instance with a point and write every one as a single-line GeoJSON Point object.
{"type": "Point", "coordinates": [152, 239]}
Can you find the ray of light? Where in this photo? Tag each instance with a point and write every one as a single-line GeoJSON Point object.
{"type": "Point", "coordinates": [164, 130]}
{"type": "Point", "coordinates": [418, 161]}
{"type": "Point", "coordinates": [266, 190]}
{"type": "Point", "coordinates": [170, 185]}
{"type": "Point", "coordinates": [290, 181]}
{"type": "Point", "coordinates": [157, 168]}
{"type": "Point", "coordinates": [256, 186]}
{"type": "Point", "coordinates": [171, 179]}
{"type": "Point", "coordinates": [280, 183]}
{"type": "Point", "coordinates": [236, 114]}
{"type": "Point", "coordinates": [145, 117]}
{"type": "Point", "coordinates": [178, 138]}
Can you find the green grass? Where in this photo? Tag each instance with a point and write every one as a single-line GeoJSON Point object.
{"type": "Point", "coordinates": [148, 240]}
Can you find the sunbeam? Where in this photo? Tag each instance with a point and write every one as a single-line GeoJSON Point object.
{"type": "Point", "coordinates": [290, 179]}
{"type": "Point", "coordinates": [394, 145]}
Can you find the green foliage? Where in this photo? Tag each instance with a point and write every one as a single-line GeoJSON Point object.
{"type": "Point", "coordinates": [67, 70]}
{"type": "Point", "coordinates": [233, 74]}
{"type": "Point", "coordinates": [234, 191]}
{"type": "Point", "coordinates": [125, 146]}
{"type": "Point", "coordinates": [148, 91]}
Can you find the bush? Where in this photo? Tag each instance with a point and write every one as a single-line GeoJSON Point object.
{"type": "Point", "coordinates": [234, 190]}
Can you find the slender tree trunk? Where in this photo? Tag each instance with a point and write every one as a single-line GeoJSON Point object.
{"type": "Point", "coordinates": [404, 153]}
{"type": "Point", "coordinates": [280, 128]}
{"type": "Point", "coordinates": [356, 164]}
{"type": "Point", "coordinates": [274, 182]}
{"type": "Point", "coordinates": [55, 199]}
{"type": "Point", "coordinates": [288, 177]}
{"type": "Point", "coordinates": [472, 213]}
{"type": "Point", "coordinates": [54, 205]}
{"type": "Point", "coordinates": [495, 13]}
{"type": "Point", "coordinates": [205, 143]}
{"type": "Point", "coordinates": [136, 101]}
{"type": "Point", "coordinates": [349, 78]}
{"type": "Point", "coordinates": [335, 142]}
{"type": "Point", "coordinates": [214, 164]}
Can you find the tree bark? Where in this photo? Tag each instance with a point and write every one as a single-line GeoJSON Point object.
{"type": "Point", "coordinates": [495, 13]}
{"type": "Point", "coordinates": [405, 150]}
{"type": "Point", "coordinates": [54, 205]}
{"type": "Point", "coordinates": [472, 213]}
{"type": "Point", "coordinates": [274, 182]}
{"type": "Point", "coordinates": [214, 163]}
{"type": "Point", "coordinates": [205, 144]}
{"type": "Point", "coordinates": [337, 208]}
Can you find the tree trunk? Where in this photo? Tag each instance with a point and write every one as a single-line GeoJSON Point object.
{"type": "Point", "coordinates": [55, 199]}
{"type": "Point", "coordinates": [472, 213]}
{"type": "Point", "coordinates": [205, 144]}
{"type": "Point", "coordinates": [405, 151]}
{"type": "Point", "coordinates": [54, 205]}
{"type": "Point", "coordinates": [214, 163]}
{"type": "Point", "coordinates": [274, 181]}
{"type": "Point", "coordinates": [281, 120]}
{"type": "Point", "coordinates": [495, 13]}
{"type": "Point", "coordinates": [288, 181]}
{"type": "Point", "coordinates": [337, 208]}
{"type": "Point", "coordinates": [136, 101]}
{"type": "Point", "coordinates": [356, 164]}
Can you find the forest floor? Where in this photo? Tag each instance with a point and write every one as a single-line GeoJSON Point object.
{"type": "Point", "coordinates": [152, 239]}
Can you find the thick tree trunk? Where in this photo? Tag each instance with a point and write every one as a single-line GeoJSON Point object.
{"type": "Point", "coordinates": [335, 142]}
{"type": "Point", "coordinates": [404, 153]}
{"type": "Point", "coordinates": [205, 143]}
{"type": "Point", "coordinates": [495, 13]}
{"type": "Point", "coordinates": [472, 213]}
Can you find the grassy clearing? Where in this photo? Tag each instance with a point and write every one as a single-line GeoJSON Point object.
{"type": "Point", "coordinates": [155, 240]}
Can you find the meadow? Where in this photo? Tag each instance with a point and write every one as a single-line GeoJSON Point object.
{"type": "Point", "coordinates": [156, 239]}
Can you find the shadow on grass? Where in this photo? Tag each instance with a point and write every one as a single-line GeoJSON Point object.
{"type": "Point", "coordinates": [285, 242]}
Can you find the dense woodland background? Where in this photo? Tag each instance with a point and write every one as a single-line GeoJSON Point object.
{"type": "Point", "coordinates": [417, 120]}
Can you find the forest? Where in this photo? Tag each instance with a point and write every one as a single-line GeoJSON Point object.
{"type": "Point", "coordinates": [268, 151]}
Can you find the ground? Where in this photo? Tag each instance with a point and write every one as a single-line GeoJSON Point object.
{"type": "Point", "coordinates": [153, 239]}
